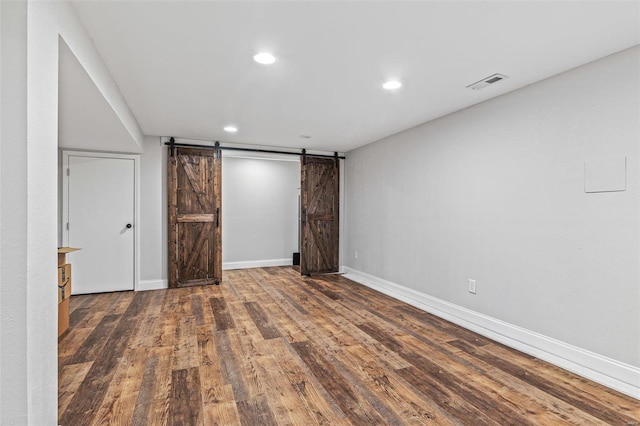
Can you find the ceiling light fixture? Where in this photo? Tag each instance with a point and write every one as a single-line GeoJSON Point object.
{"type": "Point", "coordinates": [264, 58]}
{"type": "Point", "coordinates": [392, 85]}
{"type": "Point", "coordinates": [230, 129]}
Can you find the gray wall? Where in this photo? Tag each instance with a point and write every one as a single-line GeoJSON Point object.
{"type": "Point", "coordinates": [153, 210]}
{"type": "Point", "coordinates": [259, 209]}
{"type": "Point", "coordinates": [496, 193]}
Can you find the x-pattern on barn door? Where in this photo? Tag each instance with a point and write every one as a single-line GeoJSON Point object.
{"type": "Point", "coordinates": [193, 191]}
{"type": "Point", "coordinates": [320, 202]}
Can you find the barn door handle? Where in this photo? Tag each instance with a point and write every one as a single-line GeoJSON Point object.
{"type": "Point", "coordinates": [129, 226]}
{"type": "Point", "coordinates": [304, 216]}
{"type": "Point", "coordinates": [218, 217]}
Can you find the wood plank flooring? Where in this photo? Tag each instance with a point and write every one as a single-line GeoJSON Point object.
{"type": "Point", "coordinates": [269, 347]}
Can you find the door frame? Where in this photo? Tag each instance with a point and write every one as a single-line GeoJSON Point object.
{"type": "Point", "coordinates": [136, 201]}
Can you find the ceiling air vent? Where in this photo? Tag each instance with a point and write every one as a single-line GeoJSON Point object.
{"type": "Point", "coordinates": [492, 79]}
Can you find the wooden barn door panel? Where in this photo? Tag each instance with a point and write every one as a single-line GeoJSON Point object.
{"type": "Point", "coordinates": [193, 190]}
{"type": "Point", "coordinates": [320, 202]}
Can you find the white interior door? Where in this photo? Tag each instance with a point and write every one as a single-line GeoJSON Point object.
{"type": "Point", "coordinates": [100, 221]}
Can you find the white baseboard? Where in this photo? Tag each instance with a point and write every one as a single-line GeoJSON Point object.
{"type": "Point", "coordinates": [152, 285]}
{"type": "Point", "coordinates": [619, 376]}
{"type": "Point", "coordinates": [257, 263]}
{"type": "Point", "coordinates": [145, 285]}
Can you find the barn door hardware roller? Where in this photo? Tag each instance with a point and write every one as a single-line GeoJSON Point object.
{"type": "Point", "coordinates": [172, 145]}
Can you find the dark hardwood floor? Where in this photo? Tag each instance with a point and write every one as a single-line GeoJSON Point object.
{"type": "Point", "coordinates": [268, 347]}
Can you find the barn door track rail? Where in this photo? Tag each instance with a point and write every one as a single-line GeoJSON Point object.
{"type": "Point", "coordinates": [303, 152]}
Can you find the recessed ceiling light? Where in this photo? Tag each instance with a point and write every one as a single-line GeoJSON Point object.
{"type": "Point", "coordinates": [392, 85]}
{"type": "Point", "coordinates": [264, 58]}
{"type": "Point", "coordinates": [304, 137]}
{"type": "Point", "coordinates": [230, 129]}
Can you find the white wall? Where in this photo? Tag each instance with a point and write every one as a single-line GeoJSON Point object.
{"type": "Point", "coordinates": [259, 211]}
{"type": "Point", "coordinates": [496, 193]}
{"type": "Point", "coordinates": [30, 37]}
{"type": "Point", "coordinates": [86, 119]}
{"type": "Point", "coordinates": [74, 35]}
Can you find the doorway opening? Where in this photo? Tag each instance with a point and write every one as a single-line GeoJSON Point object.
{"type": "Point", "coordinates": [260, 208]}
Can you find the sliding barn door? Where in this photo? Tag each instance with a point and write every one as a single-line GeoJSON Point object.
{"type": "Point", "coordinates": [193, 191]}
{"type": "Point", "coordinates": [320, 202]}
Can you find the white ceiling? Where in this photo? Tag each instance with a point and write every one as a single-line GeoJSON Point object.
{"type": "Point", "coordinates": [186, 68]}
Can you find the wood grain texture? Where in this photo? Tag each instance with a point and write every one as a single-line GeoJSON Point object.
{"type": "Point", "coordinates": [261, 320]}
{"type": "Point", "coordinates": [89, 396]}
{"type": "Point", "coordinates": [193, 195]}
{"type": "Point", "coordinates": [270, 347]}
{"type": "Point", "coordinates": [320, 205]}
{"type": "Point", "coordinates": [221, 315]}
{"type": "Point", "coordinates": [185, 404]}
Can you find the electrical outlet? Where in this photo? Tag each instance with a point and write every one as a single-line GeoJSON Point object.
{"type": "Point", "coordinates": [355, 255]}
{"type": "Point", "coordinates": [472, 286]}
